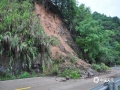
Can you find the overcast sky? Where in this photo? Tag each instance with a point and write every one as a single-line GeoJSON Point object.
{"type": "Point", "coordinates": [108, 7]}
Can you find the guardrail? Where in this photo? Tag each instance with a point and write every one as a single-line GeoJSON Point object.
{"type": "Point", "coordinates": [109, 85]}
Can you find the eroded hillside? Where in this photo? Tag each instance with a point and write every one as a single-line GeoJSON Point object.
{"type": "Point", "coordinates": [54, 27]}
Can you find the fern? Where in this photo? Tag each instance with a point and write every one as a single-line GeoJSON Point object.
{"type": "Point", "coordinates": [21, 34]}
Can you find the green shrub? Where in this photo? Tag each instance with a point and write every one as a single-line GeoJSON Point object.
{"type": "Point", "coordinates": [13, 77]}
{"type": "Point", "coordinates": [71, 73]}
{"type": "Point", "coordinates": [104, 67]}
{"type": "Point", "coordinates": [54, 70]}
{"type": "Point", "coordinates": [4, 78]}
{"type": "Point", "coordinates": [96, 67]}
{"type": "Point", "coordinates": [118, 62]}
{"type": "Point", "coordinates": [24, 75]}
{"type": "Point", "coordinates": [100, 67]}
{"type": "Point", "coordinates": [118, 87]}
{"type": "Point", "coordinates": [33, 74]}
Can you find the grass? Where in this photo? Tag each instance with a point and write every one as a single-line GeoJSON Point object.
{"type": "Point", "coordinates": [22, 75]}
{"type": "Point", "coordinates": [54, 70]}
{"type": "Point", "coordinates": [74, 74]}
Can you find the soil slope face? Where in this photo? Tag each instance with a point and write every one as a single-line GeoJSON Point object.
{"type": "Point", "coordinates": [53, 26]}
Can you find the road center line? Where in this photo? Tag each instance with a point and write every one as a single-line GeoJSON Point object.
{"type": "Point", "coordinates": [23, 88]}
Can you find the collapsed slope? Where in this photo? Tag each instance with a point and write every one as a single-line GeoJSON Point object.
{"type": "Point", "coordinates": [54, 27]}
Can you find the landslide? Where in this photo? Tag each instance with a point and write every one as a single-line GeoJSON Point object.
{"type": "Point", "coordinates": [54, 27]}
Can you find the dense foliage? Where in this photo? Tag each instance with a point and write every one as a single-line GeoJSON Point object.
{"type": "Point", "coordinates": [111, 24]}
{"type": "Point", "coordinates": [22, 39]}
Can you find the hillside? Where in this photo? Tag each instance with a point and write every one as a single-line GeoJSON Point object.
{"type": "Point", "coordinates": [55, 37]}
{"type": "Point", "coordinates": [54, 27]}
{"type": "Point", "coordinates": [35, 41]}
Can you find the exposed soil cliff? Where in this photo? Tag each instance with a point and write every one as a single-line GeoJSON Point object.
{"type": "Point", "coordinates": [53, 26]}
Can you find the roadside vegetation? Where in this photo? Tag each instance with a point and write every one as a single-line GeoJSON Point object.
{"type": "Point", "coordinates": [100, 67]}
{"type": "Point", "coordinates": [22, 75]}
{"type": "Point", "coordinates": [119, 88]}
{"type": "Point", "coordinates": [22, 39]}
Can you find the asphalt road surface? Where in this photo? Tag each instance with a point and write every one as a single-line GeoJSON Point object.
{"type": "Point", "coordinates": [52, 83]}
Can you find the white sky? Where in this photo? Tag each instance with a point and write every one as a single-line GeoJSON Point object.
{"type": "Point", "coordinates": [108, 7]}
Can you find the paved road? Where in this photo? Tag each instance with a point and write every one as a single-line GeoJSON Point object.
{"type": "Point", "coordinates": [50, 83]}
